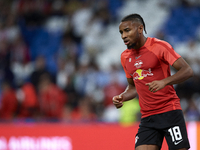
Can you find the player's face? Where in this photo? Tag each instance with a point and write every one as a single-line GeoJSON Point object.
{"type": "Point", "coordinates": [130, 33]}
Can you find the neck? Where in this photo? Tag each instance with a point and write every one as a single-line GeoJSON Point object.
{"type": "Point", "coordinates": [140, 43]}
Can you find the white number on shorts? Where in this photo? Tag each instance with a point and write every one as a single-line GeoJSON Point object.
{"type": "Point", "coordinates": [175, 133]}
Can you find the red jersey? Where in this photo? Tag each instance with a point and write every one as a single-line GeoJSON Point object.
{"type": "Point", "coordinates": [152, 62]}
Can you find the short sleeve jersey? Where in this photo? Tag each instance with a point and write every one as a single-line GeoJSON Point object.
{"type": "Point", "coordinates": [152, 62]}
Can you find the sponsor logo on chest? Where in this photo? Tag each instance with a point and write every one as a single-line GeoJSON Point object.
{"type": "Point", "coordinates": [140, 74]}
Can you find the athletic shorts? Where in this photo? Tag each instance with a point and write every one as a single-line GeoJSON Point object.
{"type": "Point", "coordinates": [170, 125]}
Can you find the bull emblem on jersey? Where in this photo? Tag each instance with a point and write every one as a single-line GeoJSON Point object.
{"type": "Point", "coordinates": [140, 74]}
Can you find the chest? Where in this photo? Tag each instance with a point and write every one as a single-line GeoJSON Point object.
{"type": "Point", "coordinates": [142, 64]}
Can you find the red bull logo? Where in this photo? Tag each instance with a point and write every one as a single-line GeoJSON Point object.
{"type": "Point", "coordinates": [140, 74]}
{"type": "Point", "coordinates": [138, 64]}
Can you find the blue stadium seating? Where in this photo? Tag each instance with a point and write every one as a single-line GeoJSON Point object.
{"type": "Point", "coordinates": [182, 23]}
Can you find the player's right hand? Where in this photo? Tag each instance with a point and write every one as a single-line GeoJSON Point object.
{"type": "Point", "coordinates": [118, 101]}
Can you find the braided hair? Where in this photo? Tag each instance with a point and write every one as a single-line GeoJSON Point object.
{"type": "Point", "coordinates": [135, 17]}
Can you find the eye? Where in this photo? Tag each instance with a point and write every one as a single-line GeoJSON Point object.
{"type": "Point", "coordinates": [127, 30]}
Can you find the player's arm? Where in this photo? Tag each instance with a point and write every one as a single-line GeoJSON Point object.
{"type": "Point", "coordinates": [129, 93]}
{"type": "Point", "coordinates": [184, 71]}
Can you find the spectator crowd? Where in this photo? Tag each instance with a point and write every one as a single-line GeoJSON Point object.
{"type": "Point", "coordinates": [49, 69]}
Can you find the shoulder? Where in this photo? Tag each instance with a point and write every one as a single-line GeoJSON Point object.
{"type": "Point", "coordinates": [124, 56]}
{"type": "Point", "coordinates": [160, 43]}
{"type": "Point", "coordinates": [125, 53]}
{"type": "Point", "coordinates": [163, 50]}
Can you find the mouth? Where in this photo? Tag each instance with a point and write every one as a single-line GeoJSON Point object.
{"type": "Point", "coordinates": [126, 42]}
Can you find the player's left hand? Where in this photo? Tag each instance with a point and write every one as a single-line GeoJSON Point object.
{"type": "Point", "coordinates": [156, 85]}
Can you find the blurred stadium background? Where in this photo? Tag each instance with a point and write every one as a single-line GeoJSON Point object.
{"type": "Point", "coordinates": [60, 67]}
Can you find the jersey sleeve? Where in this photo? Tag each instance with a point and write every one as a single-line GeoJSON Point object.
{"type": "Point", "coordinates": [123, 60]}
{"type": "Point", "coordinates": [167, 53]}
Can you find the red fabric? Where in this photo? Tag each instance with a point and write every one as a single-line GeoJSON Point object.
{"type": "Point", "coordinates": [30, 96]}
{"type": "Point", "coordinates": [110, 91]}
{"type": "Point", "coordinates": [152, 62]}
{"type": "Point", "coordinates": [83, 112]}
{"type": "Point", "coordinates": [29, 102]}
{"type": "Point", "coordinates": [52, 101]}
{"type": "Point", "coordinates": [82, 116]}
{"type": "Point", "coordinates": [9, 104]}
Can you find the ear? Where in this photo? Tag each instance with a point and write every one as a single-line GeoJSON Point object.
{"type": "Point", "coordinates": [140, 29]}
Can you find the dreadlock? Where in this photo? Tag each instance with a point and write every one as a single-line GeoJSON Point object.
{"type": "Point", "coordinates": [135, 17]}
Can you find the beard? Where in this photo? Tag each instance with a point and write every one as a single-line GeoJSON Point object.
{"type": "Point", "coordinates": [131, 46]}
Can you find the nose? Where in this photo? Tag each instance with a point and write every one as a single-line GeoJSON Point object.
{"type": "Point", "coordinates": [124, 35]}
